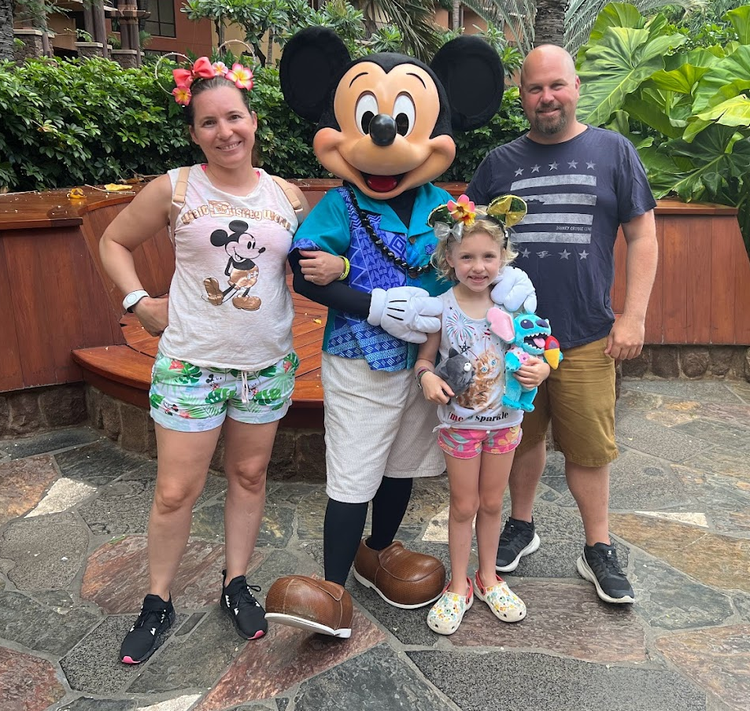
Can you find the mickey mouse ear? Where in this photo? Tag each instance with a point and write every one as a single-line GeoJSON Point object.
{"type": "Point", "coordinates": [471, 72]}
{"type": "Point", "coordinates": [310, 65]}
{"type": "Point", "coordinates": [248, 49]}
{"type": "Point", "coordinates": [439, 214]}
{"type": "Point", "coordinates": [508, 209]}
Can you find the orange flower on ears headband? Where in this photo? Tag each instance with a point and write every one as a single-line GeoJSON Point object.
{"type": "Point", "coordinates": [182, 95]}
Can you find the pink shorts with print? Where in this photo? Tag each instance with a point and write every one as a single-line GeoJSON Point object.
{"type": "Point", "coordinates": [467, 444]}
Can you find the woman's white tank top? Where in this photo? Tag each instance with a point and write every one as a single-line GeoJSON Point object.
{"type": "Point", "coordinates": [229, 305]}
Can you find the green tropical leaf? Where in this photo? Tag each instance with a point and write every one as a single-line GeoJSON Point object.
{"type": "Point", "coordinates": [699, 170]}
{"type": "Point", "coordinates": [615, 14]}
{"type": "Point", "coordinates": [681, 80]}
{"type": "Point", "coordinates": [740, 19]}
{"type": "Point", "coordinates": [266, 397]}
{"type": "Point", "coordinates": [616, 67]}
{"type": "Point", "coordinates": [219, 395]}
{"type": "Point", "coordinates": [196, 412]}
{"type": "Point", "coordinates": [621, 124]}
{"type": "Point", "coordinates": [190, 374]}
{"type": "Point", "coordinates": [699, 57]}
{"type": "Point", "coordinates": [657, 24]}
{"type": "Point", "coordinates": [727, 78]}
{"type": "Point", "coordinates": [734, 112]}
{"type": "Point", "coordinates": [657, 109]}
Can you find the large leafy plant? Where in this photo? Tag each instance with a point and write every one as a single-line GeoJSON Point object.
{"type": "Point", "coordinates": [685, 107]}
{"type": "Point", "coordinates": [75, 122]}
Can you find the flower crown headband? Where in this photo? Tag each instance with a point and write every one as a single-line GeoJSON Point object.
{"type": "Point", "coordinates": [450, 219]}
{"type": "Point", "coordinates": [203, 68]}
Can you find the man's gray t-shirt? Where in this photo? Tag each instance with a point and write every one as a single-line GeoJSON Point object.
{"type": "Point", "coordinates": [578, 193]}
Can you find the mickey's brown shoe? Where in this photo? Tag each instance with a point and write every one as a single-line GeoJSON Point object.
{"type": "Point", "coordinates": [401, 577]}
{"type": "Point", "coordinates": [315, 605]}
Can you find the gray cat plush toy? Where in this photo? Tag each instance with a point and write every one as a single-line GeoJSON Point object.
{"type": "Point", "coordinates": [456, 370]}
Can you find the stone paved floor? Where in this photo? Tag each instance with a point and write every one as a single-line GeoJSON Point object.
{"type": "Point", "coordinates": [73, 512]}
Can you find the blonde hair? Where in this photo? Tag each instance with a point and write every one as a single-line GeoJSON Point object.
{"type": "Point", "coordinates": [498, 233]}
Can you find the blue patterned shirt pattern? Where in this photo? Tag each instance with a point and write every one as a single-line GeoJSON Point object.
{"type": "Point", "coordinates": [334, 226]}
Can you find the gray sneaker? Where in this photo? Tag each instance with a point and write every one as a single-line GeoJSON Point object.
{"type": "Point", "coordinates": [599, 565]}
{"type": "Point", "coordinates": [517, 540]}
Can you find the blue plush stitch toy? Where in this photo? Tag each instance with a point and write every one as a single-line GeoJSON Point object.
{"type": "Point", "coordinates": [528, 335]}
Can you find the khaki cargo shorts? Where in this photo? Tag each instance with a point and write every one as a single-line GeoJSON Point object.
{"type": "Point", "coordinates": [579, 400]}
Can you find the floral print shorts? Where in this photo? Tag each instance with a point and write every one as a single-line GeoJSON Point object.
{"type": "Point", "coordinates": [188, 398]}
{"type": "Point", "coordinates": [467, 444]}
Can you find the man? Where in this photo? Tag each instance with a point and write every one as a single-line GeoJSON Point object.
{"type": "Point", "coordinates": [580, 183]}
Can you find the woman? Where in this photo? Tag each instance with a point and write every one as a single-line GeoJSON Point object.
{"type": "Point", "coordinates": [225, 361]}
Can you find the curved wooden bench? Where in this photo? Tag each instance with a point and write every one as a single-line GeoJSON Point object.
{"type": "Point", "coordinates": [124, 371]}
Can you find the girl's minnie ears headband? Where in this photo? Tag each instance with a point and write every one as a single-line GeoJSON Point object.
{"type": "Point", "coordinates": [203, 68]}
{"type": "Point", "coordinates": [449, 220]}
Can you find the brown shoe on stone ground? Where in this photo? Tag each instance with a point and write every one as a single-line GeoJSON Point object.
{"type": "Point", "coordinates": [401, 577]}
{"type": "Point", "coordinates": [315, 605]}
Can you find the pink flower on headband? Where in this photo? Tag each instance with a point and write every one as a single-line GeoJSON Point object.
{"type": "Point", "coordinates": [182, 95]}
{"type": "Point", "coordinates": [241, 76]}
{"type": "Point", "coordinates": [220, 68]}
{"type": "Point", "coordinates": [463, 210]}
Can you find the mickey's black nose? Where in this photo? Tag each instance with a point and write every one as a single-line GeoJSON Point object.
{"type": "Point", "coordinates": [383, 130]}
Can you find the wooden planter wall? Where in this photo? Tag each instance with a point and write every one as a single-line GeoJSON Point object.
{"type": "Point", "coordinates": [54, 296]}
{"type": "Point", "coordinates": [701, 294]}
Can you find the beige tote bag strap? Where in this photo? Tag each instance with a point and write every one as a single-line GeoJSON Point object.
{"type": "Point", "coordinates": [299, 209]}
{"type": "Point", "coordinates": [178, 198]}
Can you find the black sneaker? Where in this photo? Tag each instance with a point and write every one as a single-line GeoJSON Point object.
{"type": "Point", "coordinates": [247, 614]}
{"type": "Point", "coordinates": [141, 642]}
{"type": "Point", "coordinates": [517, 540]}
{"type": "Point", "coordinates": [599, 565]}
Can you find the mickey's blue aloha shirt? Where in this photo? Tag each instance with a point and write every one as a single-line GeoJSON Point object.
{"type": "Point", "coordinates": [333, 226]}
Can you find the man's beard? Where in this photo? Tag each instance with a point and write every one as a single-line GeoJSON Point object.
{"type": "Point", "coordinates": [543, 124]}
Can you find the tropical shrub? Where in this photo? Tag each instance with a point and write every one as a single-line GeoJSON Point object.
{"type": "Point", "coordinates": [685, 107]}
{"type": "Point", "coordinates": [83, 122]}
{"type": "Point", "coordinates": [405, 26]}
{"type": "Point", "coordinates": [78, 122]}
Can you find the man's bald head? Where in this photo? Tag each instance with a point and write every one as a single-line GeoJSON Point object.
{"type": "Point", "coordinates": [549, 94]}
{"type": "Point", "coordinates": [548, 54]}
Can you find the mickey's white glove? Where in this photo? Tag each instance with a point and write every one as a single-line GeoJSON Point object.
{"type": "Point", "coordinates": [406, 312]}
{"type": "Point", "coordinates": [514, 291]}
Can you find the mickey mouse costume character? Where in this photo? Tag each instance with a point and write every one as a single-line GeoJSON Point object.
{"type": "Point", "coordinates": [385, 126]}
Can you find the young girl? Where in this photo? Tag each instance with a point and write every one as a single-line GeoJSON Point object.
{"type": "Point", "coordinates": [477, 435]}
{"type": "Point", "coordinates": [225, 360]}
